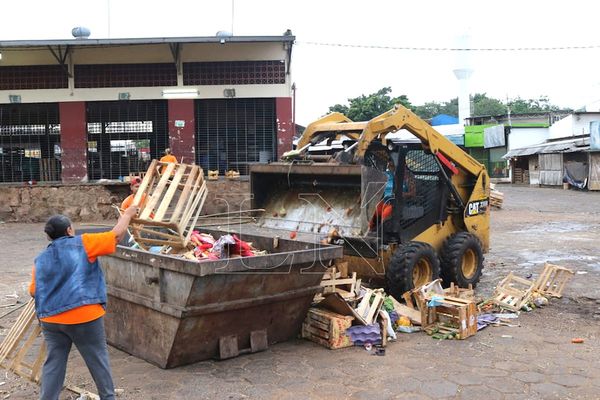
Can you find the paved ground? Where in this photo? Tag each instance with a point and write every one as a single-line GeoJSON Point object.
{"type": "Point", "coordinates": [534, 361]}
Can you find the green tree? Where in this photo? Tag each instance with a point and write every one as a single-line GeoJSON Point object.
{"type": "Point", "coordinates": [364, 108]}
{"type": "Point", "coordinates": [433, 108]}
{"type": "Point", "coordinates": [484, 105]}
{"type": "Point", "coordinates": [524, 106]}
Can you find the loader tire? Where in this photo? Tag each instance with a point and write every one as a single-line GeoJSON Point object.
{"type": "Point", "coordinates": [411, 265]}
{"type": "Point", "coordinates": [462, 260]}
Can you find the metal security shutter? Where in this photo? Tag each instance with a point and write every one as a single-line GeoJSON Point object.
{"type": "Point", "coordinates": [233, 133]}
{"type": "Point", "coordinates": [29, 142]}
{"type": "Point", "coordinates": [124, 136]}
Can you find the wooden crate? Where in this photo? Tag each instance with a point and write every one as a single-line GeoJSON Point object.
{"type": "Point", "coordinates": [512, 293]}
{"type": "Point", "coordinates": [452, 314]}
{"type": "Point", "coordinates": [327, 328]}
{"type": "Point", "coordinates": [552, 280]}
{"type": "Point", "coordinates": [170, 198]}
{"type": "Point", "coordinates": [213, 175]}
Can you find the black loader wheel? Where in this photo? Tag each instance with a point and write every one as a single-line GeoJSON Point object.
{"type": "Point", "coordinates": [462, 260]}
{"type": "Point", "coordinates": [412, 265]}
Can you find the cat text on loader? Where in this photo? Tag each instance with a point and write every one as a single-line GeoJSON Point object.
{"type": "Point", "coordinates": [409, 211]}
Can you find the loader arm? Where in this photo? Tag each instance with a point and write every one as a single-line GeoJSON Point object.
{"type": "Point", "coordinates": [402, 118]}
{"type": "Point", "coordinates": [331, 125]}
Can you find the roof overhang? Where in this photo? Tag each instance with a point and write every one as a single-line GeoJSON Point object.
{"type": "Point", "coordinates": [144, 41]}
{"type": "Point", "coordinates": [563, 146]}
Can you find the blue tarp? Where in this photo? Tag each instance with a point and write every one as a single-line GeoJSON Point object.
{"type": "Point", "coordinates": [443, 119]}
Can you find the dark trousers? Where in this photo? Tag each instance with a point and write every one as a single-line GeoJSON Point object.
{"type": "Point", "coordinates": [90, 340]}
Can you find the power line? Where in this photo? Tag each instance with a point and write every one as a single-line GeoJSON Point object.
{"type": "Point", "coordinates": [481, 49]}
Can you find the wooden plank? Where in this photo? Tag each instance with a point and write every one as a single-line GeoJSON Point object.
{"type": "Point", "coordinates": [157, 192]}
{"type": "Point", "coordinates": [336, 282]}
{"type": "Point", "coordinates": [146, 182]}
{"type": "Point", "coordinates": [184, 195]}
{"type": "Point", "coordinates": [410, 313]}
{"type": "Point", "coordinates": [192, 201]}
{"type": "Point", "coordinates": [203, 193]}
{"type": "Point", "coordinates": [322, 333]}
{"type": "Point", "coordinates": [374, 309]}
{"type": "Point", "coordinates": [164, 205]}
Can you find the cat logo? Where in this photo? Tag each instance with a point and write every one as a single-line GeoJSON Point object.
{"type": "Point", "coordinates": [476, 207]}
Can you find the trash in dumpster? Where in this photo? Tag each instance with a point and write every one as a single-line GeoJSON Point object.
{"type": "Point", "coordinates": [197, 307]}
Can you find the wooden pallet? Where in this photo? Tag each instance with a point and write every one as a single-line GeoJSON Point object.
{"type": "Point", "coordinates": [512, 293]}
{"type": "Point", "coordinates": [15, 349]}
{"type": "Point", "coordinates": [453, 315]}
{"type": "Point", "coordinates": [327, 328]}
{"type": "Point", "coordinates": [18, 350]}
{"type": "Point", "coordinates": [170, 202]}
{"type": "Point", "coordinates": [496, 198]}
{"type": "Point", "coordinates": [552, 280]}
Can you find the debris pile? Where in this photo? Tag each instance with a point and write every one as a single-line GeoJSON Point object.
{"type": "Point", "coordinates": [350, 314]}
{"type": "Point", "coordinates": [496, 197]}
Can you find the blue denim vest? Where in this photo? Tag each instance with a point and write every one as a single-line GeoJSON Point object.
{"type": "Point", "coordinates": [65, 279]}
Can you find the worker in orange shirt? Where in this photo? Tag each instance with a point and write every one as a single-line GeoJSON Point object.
{"type": "Point", "coordinates": [134, 185]}
{"type": "Point", "coordinates": [167, 158]}
{"type": "Point", "coordinates": [70, 295]}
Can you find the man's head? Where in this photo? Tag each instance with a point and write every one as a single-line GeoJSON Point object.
{"type": "Point", "coordinates": [58, 226]}
{"type": "Point", "coordinates": [135, 184]}
{"type": "Point", "coordinates": [167, 151]}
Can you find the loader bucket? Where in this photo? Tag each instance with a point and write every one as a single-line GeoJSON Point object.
{"type": "Point", "coordinates": [316, 198]}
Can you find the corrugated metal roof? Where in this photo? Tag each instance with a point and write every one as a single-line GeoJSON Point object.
{"type": "Point", "coordinates": [563, 146]}
{"type": "Point", "coordinates": [136, 41]}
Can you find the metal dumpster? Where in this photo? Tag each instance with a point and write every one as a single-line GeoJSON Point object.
{"type": "Point", "coordinates": [170, 311]}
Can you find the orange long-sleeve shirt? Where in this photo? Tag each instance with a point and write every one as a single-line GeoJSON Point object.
{"type": "Point", "coordinates": [95, 245]}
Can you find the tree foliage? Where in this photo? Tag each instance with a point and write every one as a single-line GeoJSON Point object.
{"type": "Point", "coordinates": [364, 108]}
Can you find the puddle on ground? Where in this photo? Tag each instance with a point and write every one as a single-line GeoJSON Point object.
{"type": "Point", "coordinates": [552, 256]}
{"type": "Point", "coordinates": [556, 227]}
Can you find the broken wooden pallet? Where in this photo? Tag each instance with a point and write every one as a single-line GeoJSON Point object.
{"type": "Point", "coordinates": [368, 310]}
{"type": "Point", "coordinates": [461, 293]}
{"type": "Point", "coordinates": [18, 350]}
{"type": "Point", "coordinates": [552, 280]}
{"type": "Point", "coordinates": [346, 287]}
{"type": "Point", "coordinates": [170, 203]}
{"type": "Point", "coordinates": [15, 349]}
{"type": "Point", "coordinates": [512, 293]}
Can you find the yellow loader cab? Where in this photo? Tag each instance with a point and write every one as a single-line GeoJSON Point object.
{"type": "Point", "coordinates": [406, 211]}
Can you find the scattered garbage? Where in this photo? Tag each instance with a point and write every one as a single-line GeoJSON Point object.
{"type": "Point", "coordinates": [372, 317]}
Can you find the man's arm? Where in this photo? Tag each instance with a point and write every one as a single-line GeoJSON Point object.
{"type": "Point", "coordinates": [121, 227]}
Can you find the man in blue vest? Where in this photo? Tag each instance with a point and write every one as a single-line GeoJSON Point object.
{"type": "Point", "coordinates": [70, 295]}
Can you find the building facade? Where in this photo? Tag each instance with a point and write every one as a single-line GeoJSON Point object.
{"type": "Point", "coordinates": [94, 109]}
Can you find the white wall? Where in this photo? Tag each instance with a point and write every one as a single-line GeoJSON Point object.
{"type": "Point", "coordinates": [523, 137]}
{"type": "Point", "coordinates": [573, 125]}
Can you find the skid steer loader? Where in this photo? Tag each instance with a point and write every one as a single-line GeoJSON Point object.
{"type": "Point", "coordinates": [434, 224]}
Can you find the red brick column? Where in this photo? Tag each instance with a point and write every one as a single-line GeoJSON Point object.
{"type": "Point", "coordinates": [285, 126]}
{"type": "Point", "coordinates": [73, 141]}
{"type": "Point", "coordinates": [182, 121]}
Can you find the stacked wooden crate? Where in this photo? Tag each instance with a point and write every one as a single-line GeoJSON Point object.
{"type": "Point", "coordinates": [327, 328]}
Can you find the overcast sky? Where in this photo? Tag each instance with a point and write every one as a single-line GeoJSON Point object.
{"type": "Point", "coordinates": [326, 75]}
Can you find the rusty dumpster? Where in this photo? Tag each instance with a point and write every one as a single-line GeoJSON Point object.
{"type": "Point", "coordinates": [171, 311]}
